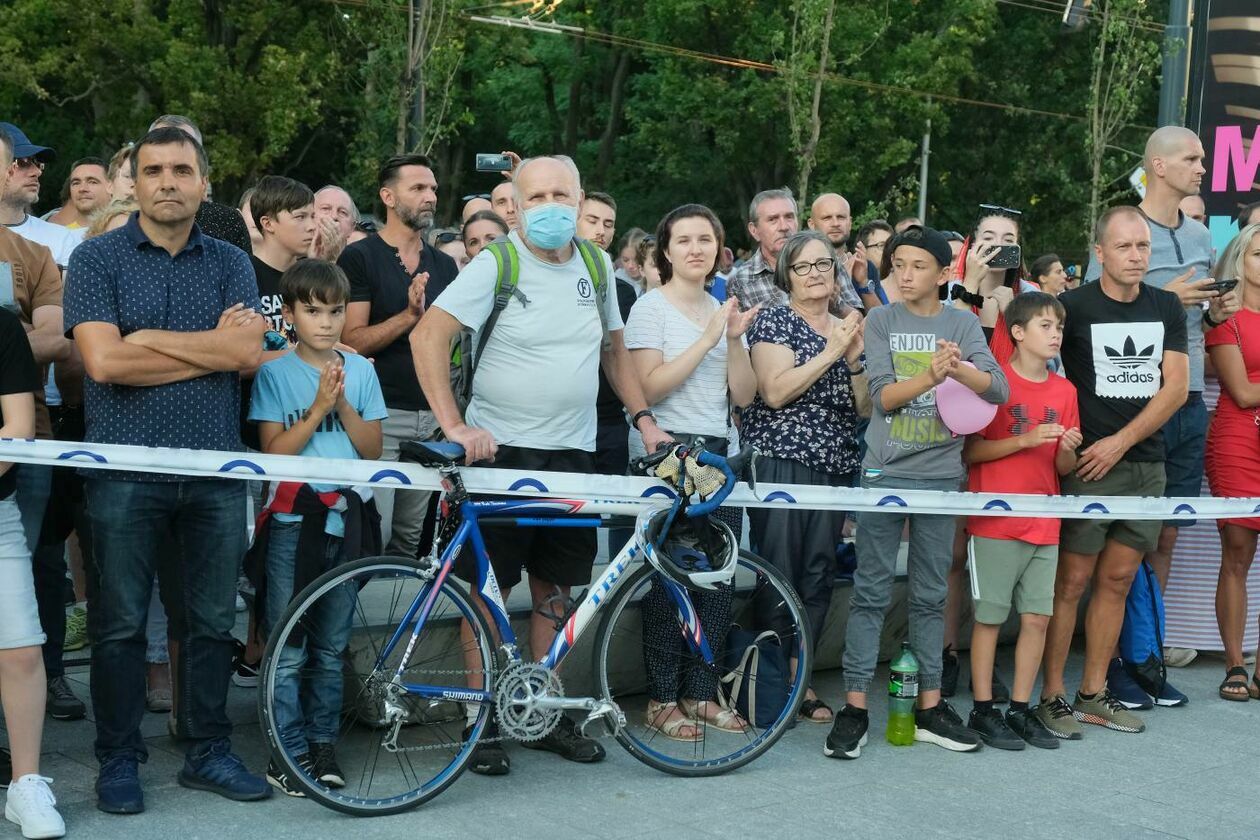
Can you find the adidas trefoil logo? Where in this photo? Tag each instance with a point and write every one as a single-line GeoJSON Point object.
{"type": "Point", "coordinates": [1128, 359]}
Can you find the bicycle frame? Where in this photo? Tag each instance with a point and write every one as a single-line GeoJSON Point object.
{"type": "Point", "coordinates": [546, 513]}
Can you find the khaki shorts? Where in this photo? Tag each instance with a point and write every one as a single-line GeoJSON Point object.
{"type": "Point", "coordinates": [1127, 478]}
{"type": "Point", "coordinates": [1006, 570]}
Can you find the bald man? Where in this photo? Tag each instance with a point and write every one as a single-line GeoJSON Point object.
{"type": "Point", "coordinates": [1180, 256]}
{"type": "Point", "coordinates": [476, 204]}
{"type": "Point", "coordinates": [1194, 207]}
{"type": "Point", "coordinates": [831, 216]}
{"type": "Point", "coordinates": [334, 203]}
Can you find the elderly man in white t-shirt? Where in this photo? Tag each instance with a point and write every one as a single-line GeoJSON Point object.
{"type": "Point", "coordinates": [533, 398]}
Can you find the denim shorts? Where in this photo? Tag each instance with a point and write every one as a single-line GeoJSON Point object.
{"type": "Point", "coordinates": [21, 627]}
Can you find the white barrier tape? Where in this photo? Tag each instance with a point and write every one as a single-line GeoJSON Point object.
{"type": "Point", "coordinates": [205, 463]}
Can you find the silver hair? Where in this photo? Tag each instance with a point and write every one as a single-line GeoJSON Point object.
{"type": "Point", "coordinates": [766, 195]}
{"type": "Point", "coordinates": [564, 159]}
{"type": "Point", "coordinates": [354, 208]}
{"type": "Point", "coordinates": [178, 121]}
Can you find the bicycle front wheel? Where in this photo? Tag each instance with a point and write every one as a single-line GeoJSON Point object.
{"type": "Point", "coordinates": [328, 677]}
{"type": "Point", "coordinates": [641, 635]}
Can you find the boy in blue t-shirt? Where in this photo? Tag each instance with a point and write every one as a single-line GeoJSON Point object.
{"type": "Point", "coordinates": [319, 402]}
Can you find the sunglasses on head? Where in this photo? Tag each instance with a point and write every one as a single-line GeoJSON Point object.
{"type": "Point", "coordinates": [999, 210]}
{"type": "Point", "coordinates": [468, 198]}
{"type": "Point", "coordinates": [446, 237]}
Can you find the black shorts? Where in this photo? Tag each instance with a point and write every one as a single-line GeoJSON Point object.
{"type": "Point", "coordinates": [563, 556]}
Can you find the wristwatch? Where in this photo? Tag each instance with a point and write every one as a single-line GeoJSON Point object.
{"type": "Point", "coordinates": [647, 412]}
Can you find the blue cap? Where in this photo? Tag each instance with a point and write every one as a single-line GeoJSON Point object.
{"type": "Point", "coordinates": [23, 147]}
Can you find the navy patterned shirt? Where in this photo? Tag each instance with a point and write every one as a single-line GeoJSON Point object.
{"type": "Point", "coordinates": [818, 428]}
{"type": "Point", "coordinates": [122, 278]}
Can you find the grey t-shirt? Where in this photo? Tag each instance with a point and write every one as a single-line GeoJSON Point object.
{"type": "Point", "coordinates": [1174, 251]}
{"type": "Point", "coordinates": [537, 379]}
{"type": "Point", "coordinates": [912, 442]}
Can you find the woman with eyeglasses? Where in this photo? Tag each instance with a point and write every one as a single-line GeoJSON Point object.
{"type": "Point", "coordinates": [689, 353]}
{"type": "Point", "coordinates": [811, 392]}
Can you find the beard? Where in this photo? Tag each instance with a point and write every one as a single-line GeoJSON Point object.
{"type": "Point", "coordinates": [416, 218]}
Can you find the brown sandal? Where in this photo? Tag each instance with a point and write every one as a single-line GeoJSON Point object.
{"type": "Point", "coordinates": [1235, 688]}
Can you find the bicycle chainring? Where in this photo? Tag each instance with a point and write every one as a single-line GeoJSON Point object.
{"type": "Point", "coordinates": [520, 685]}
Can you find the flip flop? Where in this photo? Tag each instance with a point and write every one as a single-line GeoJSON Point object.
{"type": "Point", "coordinates": [1236, 678]}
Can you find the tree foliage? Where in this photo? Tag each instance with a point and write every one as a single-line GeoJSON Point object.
{"type": "Point", "coordinates": [644, 100]}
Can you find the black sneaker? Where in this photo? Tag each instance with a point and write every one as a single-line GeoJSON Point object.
{"type": "Point", "coordinates": [6, 768]}
{"type": "Point", "coordinates": [992, 729]}
{"type": "Point", "coordinates": [488, 757]}
{"type": "Point", "coordinates": [942, 726]}
{"type": "Point", "coordinates": [282, 780]}
{"type": "Point", "coordinates": [949, 672]}
{"type": "Point", "coordinates": [1001, 694]}
{"type": "Point", "coordinates": [848, 733]}
{"type": "Point", "coordinates": [244, 675]}
{"type": "Point", "coordinates": [324, 766]}
{"type": "Point", "coordinates": [1028, 726]}
{"type": "Point", "coordinates": [62, 704]}
{"type": "Point", "coordinates": [565, 742]}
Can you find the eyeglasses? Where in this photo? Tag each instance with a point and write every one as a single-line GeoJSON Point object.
{"type": "Point", "coordinates": [445, 237]}
{"type": "Point", "coordinates": [999, 210]}
{"type": "Point", "coordinates": [29, 163]}
{"type": "Point", "coordinates": [823, 266]}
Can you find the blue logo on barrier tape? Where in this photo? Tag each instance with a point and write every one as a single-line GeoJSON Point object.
{"type": "Point", "coordinates": [780, 496]}
{"type": "Point", "coordinates": [1095, 507]}
{"type": "Point", "coordinates": [82, 453]}
{"type": "Point", "coordinates": [381, 475]}
{"type": "Point", "coordinates": [892, 500]}
{"type": "Point", "coordinates": [658, 491]}
{"type": "Point", "coordinates": [1184, 508]}
{"type": "Point", "coordinates": [996, 504]}
{"type": "Point", "coordinates": [1256, 509]}
{"type": "Point", "coordinates": [241, 462]}
{"type": "Point", "coordinates": [531, 483]}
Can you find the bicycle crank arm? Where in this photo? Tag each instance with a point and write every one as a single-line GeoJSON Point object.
{"type": "Point", "coordinates": [587, 703]}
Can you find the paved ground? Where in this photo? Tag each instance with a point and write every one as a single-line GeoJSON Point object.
{"type": "Point", "coordinates": [1192, 774]}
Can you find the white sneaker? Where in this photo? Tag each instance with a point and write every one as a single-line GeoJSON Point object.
{"type": "Point", "coordinates": [1176, 657]}
{"type": "Point", "coordinates": [32, 806]}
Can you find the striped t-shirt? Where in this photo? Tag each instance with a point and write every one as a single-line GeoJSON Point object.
{"type": "Point", "coordinates": [699, 405]}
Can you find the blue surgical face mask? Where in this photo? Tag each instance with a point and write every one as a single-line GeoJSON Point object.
{"type": "Point", "coordinates": [550, 226]}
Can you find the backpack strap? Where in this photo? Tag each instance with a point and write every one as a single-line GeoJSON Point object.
{"type": "Point", "coordinates": [599, 276]}
{"type": "Point", "coordinates": [508, 263]}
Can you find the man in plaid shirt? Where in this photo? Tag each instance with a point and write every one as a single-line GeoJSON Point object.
{"type": "Point", "coordinates": [771, 220]}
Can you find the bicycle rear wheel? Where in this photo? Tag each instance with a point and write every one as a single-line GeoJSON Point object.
{"type": "Point", "coordinates": [622, 647]}
{"type": "Point", "coordinates": [328, 673]}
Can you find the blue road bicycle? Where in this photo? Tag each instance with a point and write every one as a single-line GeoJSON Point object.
{"type": "Point", "coordinates": [429, 659]}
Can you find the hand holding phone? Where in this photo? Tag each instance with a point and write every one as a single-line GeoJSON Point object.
{"type": "Point", "coordinates": [493, 162]}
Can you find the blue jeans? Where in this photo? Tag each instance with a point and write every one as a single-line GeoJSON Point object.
{"type": "Point", "coordinates": [48, 562]}
{"type": "Point", "coordinates": [308, 688]}
{"type": "Point", "coordinates": [201, 524]}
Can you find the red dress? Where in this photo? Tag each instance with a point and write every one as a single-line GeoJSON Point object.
{"type": "Point", "coordinates": [1233, 446]}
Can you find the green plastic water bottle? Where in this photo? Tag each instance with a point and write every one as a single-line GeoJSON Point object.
{"type": "Point", "coordinates": [903, 690]}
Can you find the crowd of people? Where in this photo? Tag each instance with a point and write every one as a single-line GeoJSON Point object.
{"type": "Point", "coordinates": [139, 312]}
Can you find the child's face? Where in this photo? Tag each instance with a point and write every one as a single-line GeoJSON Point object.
{"type": "Point", "coordinates": [294, 230]}
{"type": "Point", "coordinates": [1040, 337]}
{"type": "Point", "coordinates": [318, 325]}
{"type": "Point", "coordinates": [651, 274]}
{"type": "Point", "coordinates": [917, 273]}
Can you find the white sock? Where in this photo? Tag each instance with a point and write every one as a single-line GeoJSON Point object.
{"type": "Point", "coordinates": [471, 712]}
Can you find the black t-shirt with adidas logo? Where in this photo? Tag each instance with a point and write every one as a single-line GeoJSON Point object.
{"type": "Point", "coordinates": [1112, 353]}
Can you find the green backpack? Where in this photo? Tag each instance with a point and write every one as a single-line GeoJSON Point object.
{"type": "Point", "coordinates": [463, 358]}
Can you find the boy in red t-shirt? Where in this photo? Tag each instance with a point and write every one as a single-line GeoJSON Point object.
{"type": "Point", "coordinates": [1030, 443]}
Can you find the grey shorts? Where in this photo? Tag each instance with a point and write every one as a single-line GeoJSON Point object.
{"type": "Point", "coordinates": [1006, 571]}
{"type": "Point", "coordinates": [21, 627]}
{"type": "Point", "coordinates": [1127, 478]}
